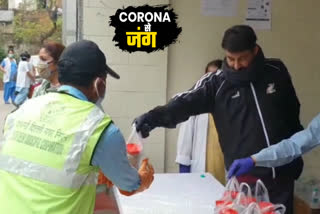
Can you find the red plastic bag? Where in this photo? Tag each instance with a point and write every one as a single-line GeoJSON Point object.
{"type": "Point", "coordinates": [220, 203]}
{"type": "Point", "coordinates": [232, 189]}
{"type": "Point", "coordinates": [239, 198]}
{"type": "Point", "coordinates": [32, 88]}
{"type": "Point", "coordinates": [253, 208]}
{"type": "Point", "coordinates": [269, 208]}
{"type": "Point", "coordinates": [246, 196]}
{"type": "Point", "coordinates": [228, 211]}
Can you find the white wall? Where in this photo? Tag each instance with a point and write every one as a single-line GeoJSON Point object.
{"type": "Point", "coordinates": [295, 38]}
{"type": "Point", "coordinates": [143, 80]}
{"type": "Point", "coordinates": [70, 21]}
{"type": "Point", "coordinates": [14, 4]}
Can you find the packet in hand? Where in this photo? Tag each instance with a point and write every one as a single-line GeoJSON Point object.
{"type": "Point", "coordinates": [135, 148]}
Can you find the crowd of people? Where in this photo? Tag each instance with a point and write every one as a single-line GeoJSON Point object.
{"type": "Point", "coordinates": [28, 76]}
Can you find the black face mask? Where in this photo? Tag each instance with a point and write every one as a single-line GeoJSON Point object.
{"type": "Point", "coordinates": [245, 75]}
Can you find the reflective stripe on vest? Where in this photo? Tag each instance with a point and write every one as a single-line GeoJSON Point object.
{"type": "Point", "coordinates": [66, 177]}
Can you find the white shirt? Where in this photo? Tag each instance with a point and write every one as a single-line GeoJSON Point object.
{"type": "Point", "coordinates": [23, 80]}
{"type": "Point", "coordinates": [34, 60]}
{"type": "Point", "coordinates": [7, 68]}
{"type": "Point", "coordinates": [192, 143]}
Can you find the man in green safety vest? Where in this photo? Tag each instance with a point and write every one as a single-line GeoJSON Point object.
{"type": "Point", "coordinates": [55, 144]}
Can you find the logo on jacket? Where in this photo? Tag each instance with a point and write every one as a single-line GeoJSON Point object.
{"type": "Point", "coordinates": [271, 89]}
{"type": "Point", "coordinates": [236, 95]}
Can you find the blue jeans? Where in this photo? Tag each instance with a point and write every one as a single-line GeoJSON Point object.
{"type": "Point", "coordinates": [9, 89]}
{"type": "Point", "coordinates": [22, 96]}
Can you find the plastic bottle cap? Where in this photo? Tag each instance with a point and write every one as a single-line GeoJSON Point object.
{"type": "Point", "coordinates": [133, 149]}
{"type": "Point", "coordinates": [202, 176]}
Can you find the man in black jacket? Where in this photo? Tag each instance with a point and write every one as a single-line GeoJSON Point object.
{"type": "Point", "coordinates": [254, 105]}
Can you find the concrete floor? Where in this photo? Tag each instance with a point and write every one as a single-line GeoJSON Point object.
{"type": "Point", "coordinates": [5, 109]}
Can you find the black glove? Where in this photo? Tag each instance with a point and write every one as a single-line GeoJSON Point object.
{"type": "Point", "coordinates": [144, 124]}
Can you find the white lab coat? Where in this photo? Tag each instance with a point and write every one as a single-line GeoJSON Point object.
{"type": "Point", "coordinates": [7, 67]}
{"type": "Point", "coordinates": [192, 142]}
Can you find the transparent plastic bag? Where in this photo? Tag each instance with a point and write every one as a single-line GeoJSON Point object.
{"type": "Point", "coordinates": [261, 192]}
{"type": "Point", "coordinates": [232, 188]}
{"type": "Point", "coordinates": [225, 207]}
{"type": "Point", "coordinates": [135, 148]}
{"type": "Point", "coordinates": [230, 195]}
{"type": "Point", "coordinates": [225, 204]}
{"type": "Point", "coordinates": [253, 208]}
{"type": "Point", "coordinates": [273, 209]}
{"type": "Point", "coordinates": [222, 205]}
{"type": "Point", "coordinates": [246, 197]}
{"type": "Point", "coordinates": [241, 202]}
{"type": "Point", "coordinates": [227, 211]}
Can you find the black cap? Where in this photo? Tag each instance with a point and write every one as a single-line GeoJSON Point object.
{"type": "Point", "coordinates": [85, 56]}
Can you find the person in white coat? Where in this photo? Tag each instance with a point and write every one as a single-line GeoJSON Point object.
{"type": "Point", "coordinates": [198, 145]}
{"type": "Point", "coordinates": [24, 79]}
{"type": "Point", "coordinates": [8, 67]}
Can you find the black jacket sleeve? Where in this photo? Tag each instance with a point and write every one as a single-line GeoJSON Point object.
{"type": "Point", "coordinates": [292, 111]}
{"type": "Point", "coordinates": [292, 102]}
{"type": "Point", "coordinates": [198, 100]}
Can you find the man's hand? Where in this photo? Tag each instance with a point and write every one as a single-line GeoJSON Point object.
{"type": "Point", "coordinates": [102, 179]}
{"type": "Point", "coordinates": [108, 182]}
{"type": "Point", "coordinates": [146, 173]}
{"type": "Point", "coordinates": [2, 70]}
{"type": "Point", "coordinates": [144, 125]}
{"type": "Point", "coordinates": [240, 167]}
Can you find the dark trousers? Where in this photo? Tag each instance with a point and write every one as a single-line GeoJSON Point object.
{"type": "Point", "coordinates": [281, 191]}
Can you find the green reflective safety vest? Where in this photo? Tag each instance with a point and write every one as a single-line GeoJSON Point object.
{"type": "Point", "coordinates": [46, 154]}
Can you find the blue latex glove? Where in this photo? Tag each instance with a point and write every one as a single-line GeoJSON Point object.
{"type": "Point", "coordinates": [184, 168]}
{"type": "Point", "coordinates": [240, 167]}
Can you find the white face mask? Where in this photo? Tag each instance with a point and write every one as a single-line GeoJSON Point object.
{"type": "Point", "coordinates": [101, 98]}
{"type": "Point", "coordinates": [43, 70]}
{"type": "Point", "coordinates": [10, 56]}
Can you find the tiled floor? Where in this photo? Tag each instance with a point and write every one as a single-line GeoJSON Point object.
{"type": "Point", "coordinates": [5, 109]}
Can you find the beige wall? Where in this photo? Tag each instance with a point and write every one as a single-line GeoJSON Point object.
{"type": "Point", "coordinates": [295, 38]}
{"type": "Point", "coordinates": [143, 80]}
